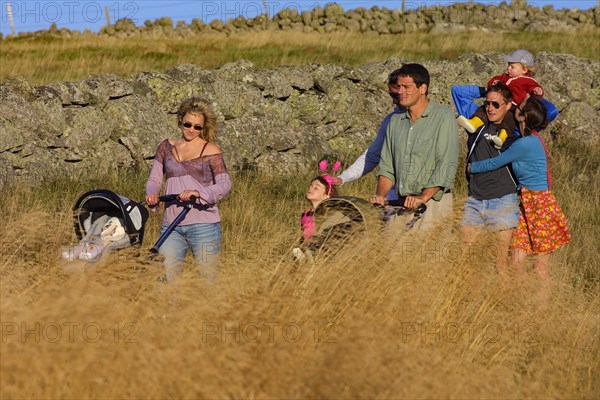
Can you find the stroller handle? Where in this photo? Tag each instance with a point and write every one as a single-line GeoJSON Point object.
{"type": "Point", "coordinates": [167, 198]}
{"type": "Point", "coordinates": [165, 234]}
{"type": "Point", "coordinates": [421, 208]}
{"type": "Point", "coordinates": [170, 197]}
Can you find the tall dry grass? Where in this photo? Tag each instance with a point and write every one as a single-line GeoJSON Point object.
{"type": "Point", "coordinates": [404, 319]}
{"type": "Point", "coordinates": [45, 59]}
{"type": "Point", "coordinates": [396, 321]}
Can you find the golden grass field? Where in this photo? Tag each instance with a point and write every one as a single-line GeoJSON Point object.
{"type": "Point", "coordinates": [384, 323]}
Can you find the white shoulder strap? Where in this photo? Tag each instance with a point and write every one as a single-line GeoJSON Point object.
{"type": "Point", "coordinates": [475, 143]}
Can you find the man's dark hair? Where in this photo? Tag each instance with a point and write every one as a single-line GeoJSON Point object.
{"type": "Point", "coordinates": [417, 72]}
{"type": "Point", "coordinates": [503, 90]}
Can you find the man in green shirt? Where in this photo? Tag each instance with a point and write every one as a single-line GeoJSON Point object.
{"type": "Point", "coordinates": [420, 152]}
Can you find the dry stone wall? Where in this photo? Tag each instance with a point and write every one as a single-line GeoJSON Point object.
{"type": "Point", "coordinates": [276, 120]}
{"type": "Point", "coordinates": [515, 15]}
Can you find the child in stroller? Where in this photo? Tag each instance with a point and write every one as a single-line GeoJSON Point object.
{"type": "Point", "coordinates": [320, 188]}
{"type": "Point", "coordinates": [105, 221]}
{"type": "Point", "coordinates": [334, 222]}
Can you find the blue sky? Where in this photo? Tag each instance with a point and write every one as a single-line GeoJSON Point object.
{"type": "Point", "coordinates": [80, 14]}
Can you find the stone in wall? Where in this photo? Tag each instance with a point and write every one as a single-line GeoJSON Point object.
{"type": "Point", "coordinates": [277, 120]}
{"type": "Point", "coordinates": [438, 19]}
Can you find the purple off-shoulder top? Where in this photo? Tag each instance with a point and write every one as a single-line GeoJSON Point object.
{"type": "Point", "coordinates": [206, 174]}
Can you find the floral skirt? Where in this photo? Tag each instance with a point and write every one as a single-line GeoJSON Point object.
{"type": "Point", "coordinates": [542, 224]}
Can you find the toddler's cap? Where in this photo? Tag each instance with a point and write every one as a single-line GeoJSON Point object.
{"type": "Point", "coordinates": [521, 56]}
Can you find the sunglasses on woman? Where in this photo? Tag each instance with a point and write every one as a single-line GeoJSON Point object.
{"type": "Point", "coordinates": [189, 125]}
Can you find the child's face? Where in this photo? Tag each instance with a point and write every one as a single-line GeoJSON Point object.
{"type": "Point", "coordinates": [316, 191]}
{"type": "Point", "coordinates": [516, 69]}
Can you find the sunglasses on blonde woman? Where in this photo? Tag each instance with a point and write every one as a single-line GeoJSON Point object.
{"type": "Point", "coordinates": [189, 125]}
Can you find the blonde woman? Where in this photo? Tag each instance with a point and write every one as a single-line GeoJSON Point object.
{"type": "Point", "coordinates": [194, 168]}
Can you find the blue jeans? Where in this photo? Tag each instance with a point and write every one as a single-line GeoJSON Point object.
{"type": "Point", "coordinates": [497, 214]}
{"type": "Point", "coordinates": [205, 242]}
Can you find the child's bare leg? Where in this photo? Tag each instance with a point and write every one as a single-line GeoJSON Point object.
{"type": "Point", "coordinates": [540, 266]}
{"type": "Point", "coordinates": [518, 262]}
{"type": "Point", "coordinates": [540, 269]}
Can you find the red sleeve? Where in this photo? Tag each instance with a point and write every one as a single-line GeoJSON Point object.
{"type": "Point", "coordinates": [535, 89]}
{"type": "Point", "coordinates": [498, 78]}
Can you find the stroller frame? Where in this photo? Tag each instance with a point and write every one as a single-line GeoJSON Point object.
{"type": "Point", "coordinates": [339, 219]}
{"type": "Point", "coordinates": [186, 209]}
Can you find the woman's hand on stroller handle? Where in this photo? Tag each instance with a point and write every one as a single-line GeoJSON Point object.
{"type": "Point", "coordinates": [151, 200]}
{"type": "Point", "coordinates": [189, 195]}
{"type": "Point", "coordinates": [185, 196]}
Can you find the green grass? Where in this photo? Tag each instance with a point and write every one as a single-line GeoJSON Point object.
{"type": "Point", "coordinates": [44, 59]}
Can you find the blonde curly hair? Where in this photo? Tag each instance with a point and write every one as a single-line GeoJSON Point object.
{"type": "Point", "coordinates": [531, 70]}
{"type": "Point", "coordinates": [199, 106]}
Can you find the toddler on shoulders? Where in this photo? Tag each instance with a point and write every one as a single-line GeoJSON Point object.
{"type": "Point", "coordinates": [519, 79]}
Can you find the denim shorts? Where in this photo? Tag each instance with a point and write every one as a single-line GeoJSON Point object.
{"type": "Point", "coordinates": [497, 214]}
{"type": "Point", "coordinates": [204, 240]}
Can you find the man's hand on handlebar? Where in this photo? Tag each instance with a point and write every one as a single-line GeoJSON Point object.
{"type": "Point", "coordinates": [378, 199]}
{"type": "Point", "coordinates": [402, 201]}
{"type": "Point", "coordinates": [399, 206]}
{"type": "Point", "coordinates": [413, 201]}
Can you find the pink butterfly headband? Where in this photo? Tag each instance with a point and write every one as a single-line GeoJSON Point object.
{"type": "Point", "coordinates": [323, 166]}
